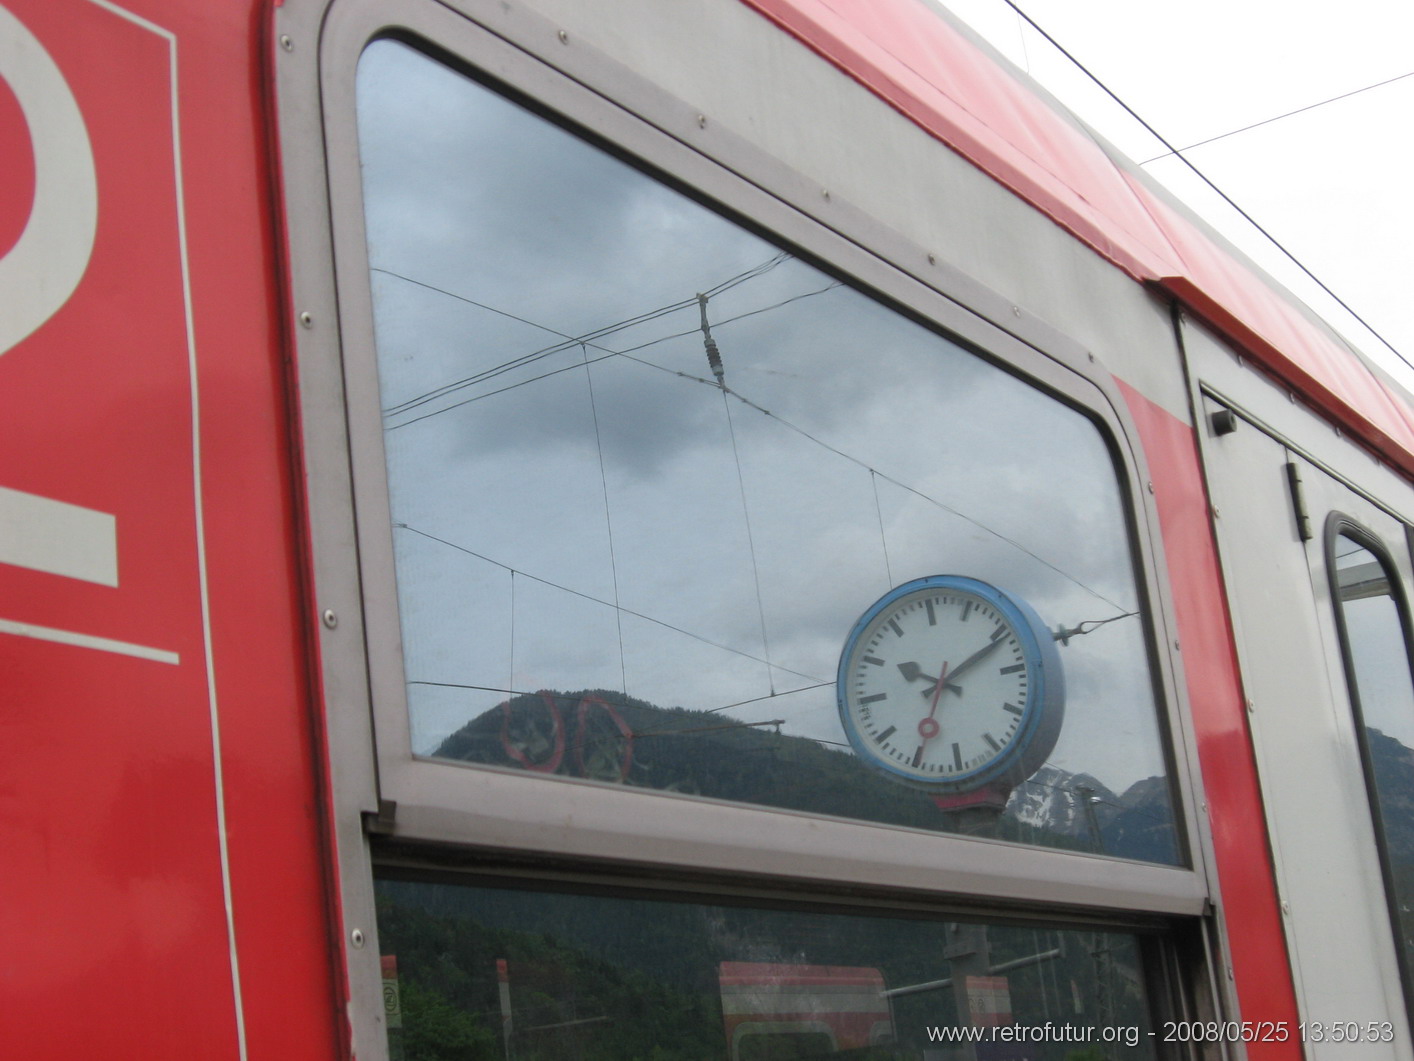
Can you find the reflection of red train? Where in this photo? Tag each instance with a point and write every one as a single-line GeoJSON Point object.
{"type": "Point", "coordinates": [821, 1009]}
{"type": "Point", "coordinates": [534, 734]}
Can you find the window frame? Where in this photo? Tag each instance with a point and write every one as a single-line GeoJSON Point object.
{"type": "Point", "coordinates": [1339, 525]}
{"type": "Point", "coordinates": [380, 792]}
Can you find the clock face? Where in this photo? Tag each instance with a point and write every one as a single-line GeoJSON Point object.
{"type": "Point", "coordinates": [949, 683]}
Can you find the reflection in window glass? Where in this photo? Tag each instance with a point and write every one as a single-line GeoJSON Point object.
{"type": "Point", "coordinates": [1380, 686]}
{"type": "Point", "coordinates": [483, 975]}
{"type": "Point", "coordinates": [646, 471]}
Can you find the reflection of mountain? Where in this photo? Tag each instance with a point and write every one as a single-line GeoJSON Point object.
{"type": "Point", "coordinates": [1137, 824]}
{"type": "Point", "coordinates": [607, 736]}
{"type": "Point", "coordinates": [1393, 767]}
{"type": "Point", "coordinates": [582, 734]}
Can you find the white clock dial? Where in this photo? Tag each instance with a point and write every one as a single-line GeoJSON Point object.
{"type": "Point", "coordinates": [940, 684]}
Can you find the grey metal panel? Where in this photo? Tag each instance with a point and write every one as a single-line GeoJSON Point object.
{"type": "Point", "coordinates": [1322, 841]}
{"type": "Point", "coordinates": [617, 825]}
{"type": "Point", "coordinates": [1241, 386]}
{"type": "Point", "coordinates": [338, 607]}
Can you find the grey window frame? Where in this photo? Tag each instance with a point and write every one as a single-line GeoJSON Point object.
{"type": "Point", "coordinates": [1339, 525]}
{"type": "Point", "coordinates": [379, 789]}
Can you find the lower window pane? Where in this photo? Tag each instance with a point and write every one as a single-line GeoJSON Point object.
{"type": "Point", "coordinates": [472, 973]}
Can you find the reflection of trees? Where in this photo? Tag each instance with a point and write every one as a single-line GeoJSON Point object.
{"type": "Point", "coordinates": [596, 977]}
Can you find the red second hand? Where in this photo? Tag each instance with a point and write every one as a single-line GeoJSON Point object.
{"type": "Point", "coordinates": [928, 728]}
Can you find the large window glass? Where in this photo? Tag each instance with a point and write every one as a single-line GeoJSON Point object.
{"type": "Point", "coordinates": [1375, 641]}
{"type": "Point", "coordinates": [648, 472]}
{"type": "Point", "coordinates": [482, 974]}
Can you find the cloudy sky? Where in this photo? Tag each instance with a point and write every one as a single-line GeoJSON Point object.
{"type": "Point", "coordinates": [1330, 183]}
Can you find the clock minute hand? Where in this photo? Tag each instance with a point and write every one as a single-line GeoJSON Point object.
{"type": "Point", "coordinates": [979, 654]}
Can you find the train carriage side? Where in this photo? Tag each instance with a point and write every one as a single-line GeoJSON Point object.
{"type": "Point", "coordinates": [559, 529]}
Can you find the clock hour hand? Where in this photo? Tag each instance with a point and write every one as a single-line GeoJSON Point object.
{"type": "Point", "coordinates": [911, 672]}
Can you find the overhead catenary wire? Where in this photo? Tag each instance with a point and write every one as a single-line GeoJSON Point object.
{"type": "Point", "coordinates": [885, 476]}
{"type": "Point", "coordinates": [606, 353]}
{"type": "Point", "coordinates": [607, 604]}
{"type": "Point", "coordinates": [1278, 117]}
{"type": "Point", "coordinates": [714, 361]}
{"type": "Point", "coordinates": [569, 341]}
{"type": "Point", "coordinates": [629, 352]}
{"type": "Point", "coordinates": [608, 518]}
{"type": "Point", "coordinates": [1178, 152]}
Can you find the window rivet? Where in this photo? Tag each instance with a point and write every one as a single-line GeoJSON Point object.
{"type": "Point", "coordinates": [825, 194]}
{"type": "Point", "coordinates": [932, 259]}
{"type": "Point", "coordinates": [1251, 706]}
{"type": "Point", "coordinates": [564, 37]}
{"type": "Point", "coordinates": [702, 121]}
{"type": "Point", "coordinates": [1175, 645]}
{"type": "Point", "coordinates": [330, 619]}
{"type": "Point", "coordinates": [1091, 356]}
{"type": "Point", "coordinates": [286, 43]}
{"type": "Point", "coordinates": [357, 937]}
{"type": "Point", "coordinates": [1016, 311]}
{"type": "Point", "coordinates": [306, 319]}
{"type": "Point", "coordinates": [1286, 907]}
{"type": "Point", "coordinates": [1217, 512]}
{"type": "Point", "coordinates": [1150, 486]}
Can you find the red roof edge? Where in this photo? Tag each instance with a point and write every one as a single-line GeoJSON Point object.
{"type": "Point", "coordinates": [921, 65]}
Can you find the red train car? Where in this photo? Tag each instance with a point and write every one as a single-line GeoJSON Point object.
{"type": "Point", "coordinates": [510, 510]}
{"type": "Point", "coordinates": [819, 1008]}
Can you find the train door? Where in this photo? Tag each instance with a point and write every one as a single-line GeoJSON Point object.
{"type": "Point", "coordinates": [1292, 531]}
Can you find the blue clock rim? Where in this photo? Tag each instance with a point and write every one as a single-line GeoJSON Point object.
{"type": "Point", "coordinates": [1043, 665]}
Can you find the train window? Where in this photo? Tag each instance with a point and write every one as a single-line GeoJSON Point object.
{"type": "Point", "coordinates": [1372, 620]}
{"type": "Point", "coordinates": [649, 474]}
{"type": "Point", "coordinates": [478, 972]}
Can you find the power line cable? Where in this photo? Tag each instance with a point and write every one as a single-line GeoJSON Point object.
{"type": "Point", "coordinates": [1208, 181]}
{"type": "Point", "coordinates": [627, 354]}
{"type": "Point", "coordinates": [608, 353]}
{"type": "Point", "coordinates": [607, 604]}
{"type": "Point", "coordinates": [569, 341]}
{"type": "Point", "coordinates": [882, 475]}
{"type": "Point", "coordinates": [1279, 117]}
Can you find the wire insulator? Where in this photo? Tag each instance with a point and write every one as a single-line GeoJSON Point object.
{"type": "Point", "coordinates": [714, 356]}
